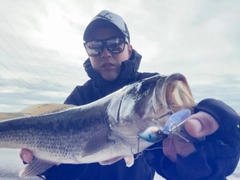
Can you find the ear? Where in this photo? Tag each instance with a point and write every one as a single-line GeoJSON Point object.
{"type": "Point", "coordinates": [130, 50]}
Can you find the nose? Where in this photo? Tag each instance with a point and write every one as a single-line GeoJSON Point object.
{"type": "Point", "coordinates": [105, 53]}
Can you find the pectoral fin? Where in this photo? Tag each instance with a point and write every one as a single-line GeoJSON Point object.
{"type": "Point", "coordinates": [35, 167]}
{"type": "Point", "coordinates": [97, 143]}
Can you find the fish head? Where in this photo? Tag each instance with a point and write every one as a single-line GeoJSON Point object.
{"type": "Point", "coordinates": [148, 102]}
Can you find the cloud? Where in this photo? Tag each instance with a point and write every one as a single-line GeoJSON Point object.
{"type": "Point", "coordinates": [42, 54]}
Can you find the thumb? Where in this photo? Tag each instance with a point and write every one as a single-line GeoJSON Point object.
{"type": "Point", "coordinates": [201, 124]}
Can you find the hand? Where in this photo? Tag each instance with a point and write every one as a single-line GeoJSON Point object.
{"type": "Point", "coordinates": [198, 125]}
{"type": "Point", "coordinates": [26, 155]}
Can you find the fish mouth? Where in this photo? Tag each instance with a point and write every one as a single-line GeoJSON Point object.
{"type": "Point", "coordinates": [177, 93]}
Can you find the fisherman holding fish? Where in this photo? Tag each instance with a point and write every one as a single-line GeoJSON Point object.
{"type": "Point", "coordinates": [113, 63]}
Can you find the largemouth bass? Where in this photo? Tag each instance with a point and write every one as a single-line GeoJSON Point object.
{"type": "Point", "coordinates": [104, 131]}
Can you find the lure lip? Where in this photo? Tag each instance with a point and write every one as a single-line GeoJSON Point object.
{"type": "Point", "coordinates": [176, 120]}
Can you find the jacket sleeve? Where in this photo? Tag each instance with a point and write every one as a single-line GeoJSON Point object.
{"type": "Point", "coordinates": [216, 157]}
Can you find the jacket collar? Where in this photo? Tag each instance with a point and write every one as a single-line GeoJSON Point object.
{"type": "Point", "coordinates": [128, 71]}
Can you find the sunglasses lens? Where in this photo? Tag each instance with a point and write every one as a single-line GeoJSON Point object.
{"type": "Point", "coordinates": [114, 45]}
{"type": "Point", "coordinates": [94, 48]}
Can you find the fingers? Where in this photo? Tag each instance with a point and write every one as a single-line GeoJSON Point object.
{"type": "Point", "coordinates": [172, 147]}
{"type": "Point", "coordinates": [169, 149]}
{"type": "Point", "coordinates": [201, 124]}
{"type": "Point", "coordinates": [198, 125]}
{"type": "Point", "coordinates": [26, 155]}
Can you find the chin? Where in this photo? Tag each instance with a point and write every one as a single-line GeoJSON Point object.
{"type": "Point", "coordinates": [109, 78]}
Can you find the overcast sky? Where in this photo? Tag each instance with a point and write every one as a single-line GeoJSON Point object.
{"type": "Point", "coordinates": [41, 51]}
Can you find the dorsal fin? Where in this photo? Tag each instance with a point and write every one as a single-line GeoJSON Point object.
{"type": "Point", "coordinates": [35, 110]}
{"type": "Point", "coordinates": [40, 109]}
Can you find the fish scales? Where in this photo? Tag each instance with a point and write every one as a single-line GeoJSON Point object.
{"type": "Point", "coordinates": [55, 134]}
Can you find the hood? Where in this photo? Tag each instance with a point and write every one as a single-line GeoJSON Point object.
{"type": "Point", "coordinates": [128, 71]}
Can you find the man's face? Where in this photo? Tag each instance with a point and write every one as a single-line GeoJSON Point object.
{"type": "Point", "coordinates": [107, 63]}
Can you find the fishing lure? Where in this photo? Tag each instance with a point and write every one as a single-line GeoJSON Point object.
{"type": "Point", "coordinates": [172, 126]}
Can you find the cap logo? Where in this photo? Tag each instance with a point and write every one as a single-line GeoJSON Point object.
{"type": "Point", "coordinates": [107, 16]}
{"type": "Point", "coordinates": [110, 17]}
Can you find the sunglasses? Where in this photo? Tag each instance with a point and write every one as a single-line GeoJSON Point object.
{"type": "Point", "coordinates": [114, 45]}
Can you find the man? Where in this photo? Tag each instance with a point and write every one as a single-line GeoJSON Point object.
{"type": "Point", "coordinates": [112, 64]}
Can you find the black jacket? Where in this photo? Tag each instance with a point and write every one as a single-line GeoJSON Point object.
{"type": "Point", "coordinates": [216, 157]}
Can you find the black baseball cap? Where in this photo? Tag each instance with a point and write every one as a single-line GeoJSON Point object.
{"type": "Point", "coordinates": [104, 19]}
